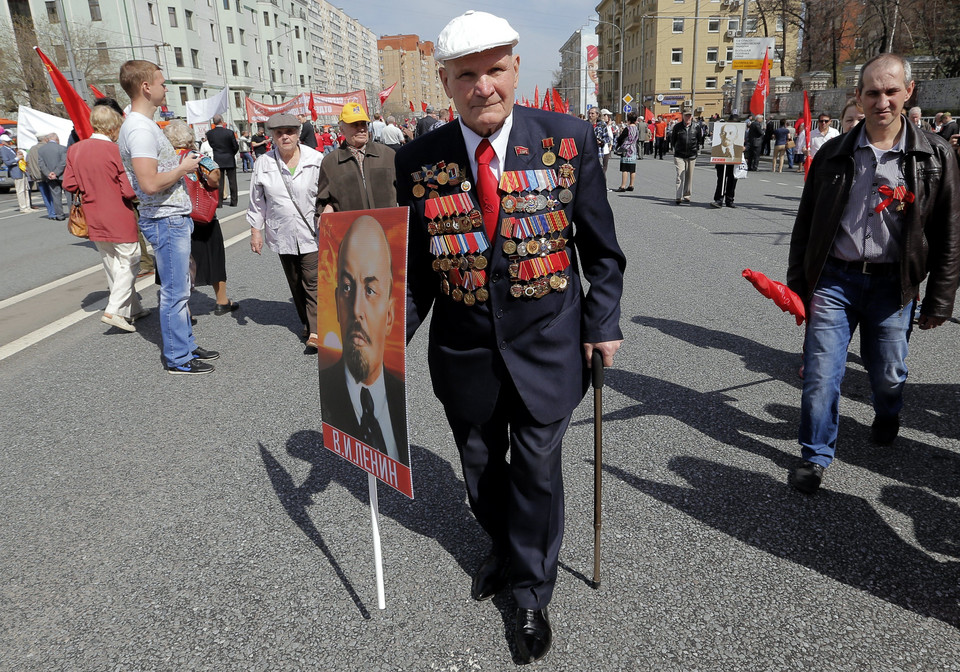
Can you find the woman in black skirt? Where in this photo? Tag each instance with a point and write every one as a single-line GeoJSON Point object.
{"type": "Point", "coordinates": [207, 249]}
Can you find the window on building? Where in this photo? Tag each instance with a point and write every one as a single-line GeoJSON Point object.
{"type": "Point", "coordinates": [183, 95]}
{"type": "Point", "coordinates": [172, 13]}
{"type": "Point", "coordinates": [273, 75]}
{"type": "Point", "coordinates": [727, 80]}
{"type": "Point", "coordinates": [299, 56]}
{"type": "Point", "coordinates": [779, 27]}
{"type": "Point", "coordinates": [152, 12]}
{"type": "Point", "coordinates": [216, 62]}
{"type": "Point", "coordinates": [676, 55]}
{"type": "Point", "coordinates": [777, 54]}
{"type": "Point", "coordinates": [195, 58]}
{"type": "Point", "coordinates": [237, 5]}
{"type": "Point", "coordinates": [266, 18]}
{"type": "Point", "coordinates": [213, 33]}
{"type": "Point", "coordinates": [296, 32]}
{"type": "Point", "coordinates": [226, 4]}
{"type": "Point", "coordinates": [729, 56]}
{"type": "Point", "coordinates": [52, 16]}
{"type": "Point", "coordinates": [713, 24]}
{"type": "Point", "coordinates": [256, 44]}
{"type": "Point", "coordinates": [678, 24]}
{"type": "Point", "coordinates": [713, 54]}
{"type": "Point", "coordinates": [234, 68]}
{"type": "Point", "coordinates": [243, 36]}
{"type": "Point", "coordinates": [178, 56]}
{"type": "Point", "coordinates": [196, 92]}
{"type": "Point", "coordinates": [246, 68]}
{"type": "Point", "coordinates": [237, 99]}
{"type": "Point", "coordinates": [711, 83]}
{"type": "Point", "coordinates": [733, 24]}
{"type": "Point", "coordinates": [676, 83]}
{"type": "Point", "coordinates": [751, 25]}
{"type": "Point", "coordinates": [94, 6]}
{"type": "Point", "coordinates": [269, 48]}
{"type": "Point", "coordinates": [229, 34]}
{"type": "Point", "coordinates": [301, 80]}
{"type": "Point", "coordinates": [61, 55]}
{"type": "Point", "coordinates": [103, 56]}
{"type": "Point", "coordinates": [188, 19]}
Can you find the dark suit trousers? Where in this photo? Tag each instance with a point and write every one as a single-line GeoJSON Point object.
{"type": "Point", "coordinates": [520, 503]}
{"type": "Point", "coordinates": [228, 174]}
{"type": "Point", "coordinates": [301, 272]}
{"type": "Point", "coordinates": [725, 194]}
{"type": "Point", "coordinates": [56, 196]}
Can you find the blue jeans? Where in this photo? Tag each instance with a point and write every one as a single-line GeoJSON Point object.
{"type": "Point", "coordinates": [247, 159]}
{"type": "Point", "coordinates": [44, 190]}
{"type": "Point", "coordinates": [842, 301]}
{"type": "Point", "coordinates": [170, 237]}
{"type": "Point", "coordinates": [790, 151]}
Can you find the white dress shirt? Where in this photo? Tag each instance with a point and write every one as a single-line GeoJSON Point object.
{"type": "Point", "coordinates": [499, 140]}
{"type": "Point", "coordinates": [381, 410]}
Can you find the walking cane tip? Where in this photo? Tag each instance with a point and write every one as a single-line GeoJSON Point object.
{"type": "Point", "coordinates": [595, 585]}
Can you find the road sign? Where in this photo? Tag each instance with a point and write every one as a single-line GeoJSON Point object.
{"type": "Point", "coordinates": [627, 109]}
{"type": "Point", "coordinates": [628, 99]}
{"type": "Point", "coordinates": [748, 52]}
{"type": "Point", "coordinates": [659, 97]}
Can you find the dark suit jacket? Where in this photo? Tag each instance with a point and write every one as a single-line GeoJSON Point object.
{"type": "Point", "coordinates": [338, 411]}
{"type": "Point", "coordinates": [536, 342]}
{"type": "Point", "coordinates": [308, 136]}
{"type": "Point", "coordinates": [224, 145]}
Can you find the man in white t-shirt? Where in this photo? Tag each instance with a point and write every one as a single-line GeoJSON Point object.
{"type": "Point", "coordinates": [823, 132]}
{"type": "Point", "coordinates": [156, 173]}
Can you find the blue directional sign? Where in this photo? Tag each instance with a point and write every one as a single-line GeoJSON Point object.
{"type": "Point", "coordinates": [627, 109]}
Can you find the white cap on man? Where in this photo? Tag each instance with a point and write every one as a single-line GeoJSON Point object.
{"type": "Point", "coordinates": [471, 33]}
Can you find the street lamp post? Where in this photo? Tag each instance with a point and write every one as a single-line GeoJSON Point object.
{"type": "Point", "coordinates": [620, 76]}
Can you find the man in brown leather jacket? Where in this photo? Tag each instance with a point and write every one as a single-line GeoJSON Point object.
{"type": "Point", "coordinates": [880, 211]}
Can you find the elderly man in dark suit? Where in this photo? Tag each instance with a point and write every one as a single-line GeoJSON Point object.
{"type": "Point", "coordinates": [52, 159]}
{"type": "Point", "coordinates": [494, 199]}
{"type": "Point", "coordinates": [225, 146]}
{"type": "Point", "coordinates": [357, 394]}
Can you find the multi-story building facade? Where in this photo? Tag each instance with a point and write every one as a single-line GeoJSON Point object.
{"type": "Point", "coordinates": [677, 52]}
{"type": "Point", "coordinates": [409, 63]}
{"type": "Point", "coordinates": [579, 76]}
{"type": "Point", "coordinates": [269, 50]}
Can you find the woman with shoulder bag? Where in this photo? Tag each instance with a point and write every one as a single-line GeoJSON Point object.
{"type": "Point", "coordinates": [206, 242]}
{"type": "Point", "coordinates": [95, 171]}
{"type": "Point", "coordinates": [281, 214]}
{"type": "Point", "coordinates": [627, 150]}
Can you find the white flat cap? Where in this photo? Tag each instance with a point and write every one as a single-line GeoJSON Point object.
{"type": "Point", "coordinates": [471, 33]}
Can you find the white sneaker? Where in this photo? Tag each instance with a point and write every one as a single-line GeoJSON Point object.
{"type": "Point", "coordinates": [118, 322]}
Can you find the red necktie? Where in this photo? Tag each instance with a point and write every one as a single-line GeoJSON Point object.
{"type": "Point", "coordinates": [487, 187]}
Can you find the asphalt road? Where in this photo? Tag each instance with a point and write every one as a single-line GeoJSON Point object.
{"type": "Point", "coordinates": [156, 522]}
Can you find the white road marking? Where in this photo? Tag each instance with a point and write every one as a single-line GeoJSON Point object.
{"type": "Point", "coordinates": [56, 326]}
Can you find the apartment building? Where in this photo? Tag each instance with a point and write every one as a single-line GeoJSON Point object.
{"type": "Point", "coordinates": [269, 50]}
{"type": "Point", "coordinates": [678, 52]}
{"type": "Point", "coordinates": [409, 62]}
{"type": "Point", "coordinates": [578, 82]}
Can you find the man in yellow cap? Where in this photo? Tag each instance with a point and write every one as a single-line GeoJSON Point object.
{"type": "Point", "coordinates": [360, 174]}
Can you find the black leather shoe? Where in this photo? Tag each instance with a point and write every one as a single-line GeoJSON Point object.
{"type": "Point", "coordinates": [205, 355]}
{"type": "Point", "coordinates": [492, 577]}
{"type": "Point", "coordinates": [884, 430]}
{"type": "Point", "coordinates": [223, 309]}
{"type": "Point", "coordinates": [534, 634]}
{"type": "Point", "coordinates": [807, 477]}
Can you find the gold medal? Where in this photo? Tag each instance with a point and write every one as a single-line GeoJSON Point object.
{"type": "Point", "coordinates": [434, 194]}
{"type": "Point", "coordinates": [480, 262]}
{"type": "Point", "coordinates": [444, 285]}
{"type": "Point", "coordinates": [533, 247]}
{"type": "Point", "coordinates": [442, 178]}
{"type": "Point", "coordinates": [516, 291]}
{"type": "Point", "coordinates": [469, 299]}
{"type": "Point", "coordinates": [435, 265]}
{"type": "Point", "coordinates": [509, 247]}
{"type": "Point", "coordinates": [456, 294]}
{"type": "Point", "coordinates": [554, 282]}
{"type": "Point", "coordinates": [445, 264]}
{"type": "Point", "coordinates": [418, 191]}
{"type": "Point", "coordinates": [482, 294]}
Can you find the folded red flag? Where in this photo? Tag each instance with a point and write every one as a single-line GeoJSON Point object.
{"type": "Point", "coordinates": [785, 298]}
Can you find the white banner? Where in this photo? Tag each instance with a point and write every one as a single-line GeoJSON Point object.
{"type": "Point", "coordinates": [31, 123]}
{"type": "Point", "coordinates": [206, 108]}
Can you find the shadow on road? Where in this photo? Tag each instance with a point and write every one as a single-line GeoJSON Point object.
{"type": "Point", "coordinates": [439, 512]}
{"type": "Point", "coordinates": [837, 535]}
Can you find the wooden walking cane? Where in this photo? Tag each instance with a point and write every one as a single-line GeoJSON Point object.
{"type": "Point", "coordinates": [597, 373]}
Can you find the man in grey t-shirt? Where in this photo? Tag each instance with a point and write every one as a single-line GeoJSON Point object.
{"type": "Point", "coordinates": [156, 173]}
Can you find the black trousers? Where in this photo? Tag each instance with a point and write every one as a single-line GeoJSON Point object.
{"type": "Point", "coordinates": [520, 503]}
{"type": "Point", "coordinates": [725, 194]}
{"type": "Point", "coordinates": [228, 174]}
{"type": "Point", "coordinates": [301, 273]}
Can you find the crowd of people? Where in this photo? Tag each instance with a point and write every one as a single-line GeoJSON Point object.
{"type": "Point", "coordinates": [497, 286]}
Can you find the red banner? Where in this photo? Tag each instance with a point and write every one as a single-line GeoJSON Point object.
{"type": "Point", "coordinates": [97, 91]}
{"type": "Point", "coordinates": [77, 108]}
{"type": "Point", "coordinates": [758, 100]}
{"type": "Point", "coordinates": [383, 95]}
{"type": "Point", "coordinates": [326, 104]}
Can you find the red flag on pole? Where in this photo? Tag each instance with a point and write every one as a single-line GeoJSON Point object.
{"type": "Point", "coordinates": [312, 108]}
{"type": "Point", "coordinates": [536, 95]}
{"type": "Point", "coordinates": [758, 100]}
{"type": "Point", "coordinates": [808, 121]}
{"type": "Point", "coordinates": [423, 106]}
{"type": "Point", "coordinates": [97, 92]}
{"type": "Point", "coordinates": [450, 116]}
{"type": "Point", "coordinates": [546, 100]}
{"type": "Point", "coordinates": [647, 114]}
{"type": "Point", "coordinates": [383, 95]}
{"type": "Point", "coordinates": [77, 108]}
{"type": "Point", "coordinates": [557, 102]}
{"type": "Point", "coordinates": [412, 108]}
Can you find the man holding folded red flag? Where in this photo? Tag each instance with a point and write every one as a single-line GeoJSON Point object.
{"type": "Point", "coordinates": [879, 214]}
